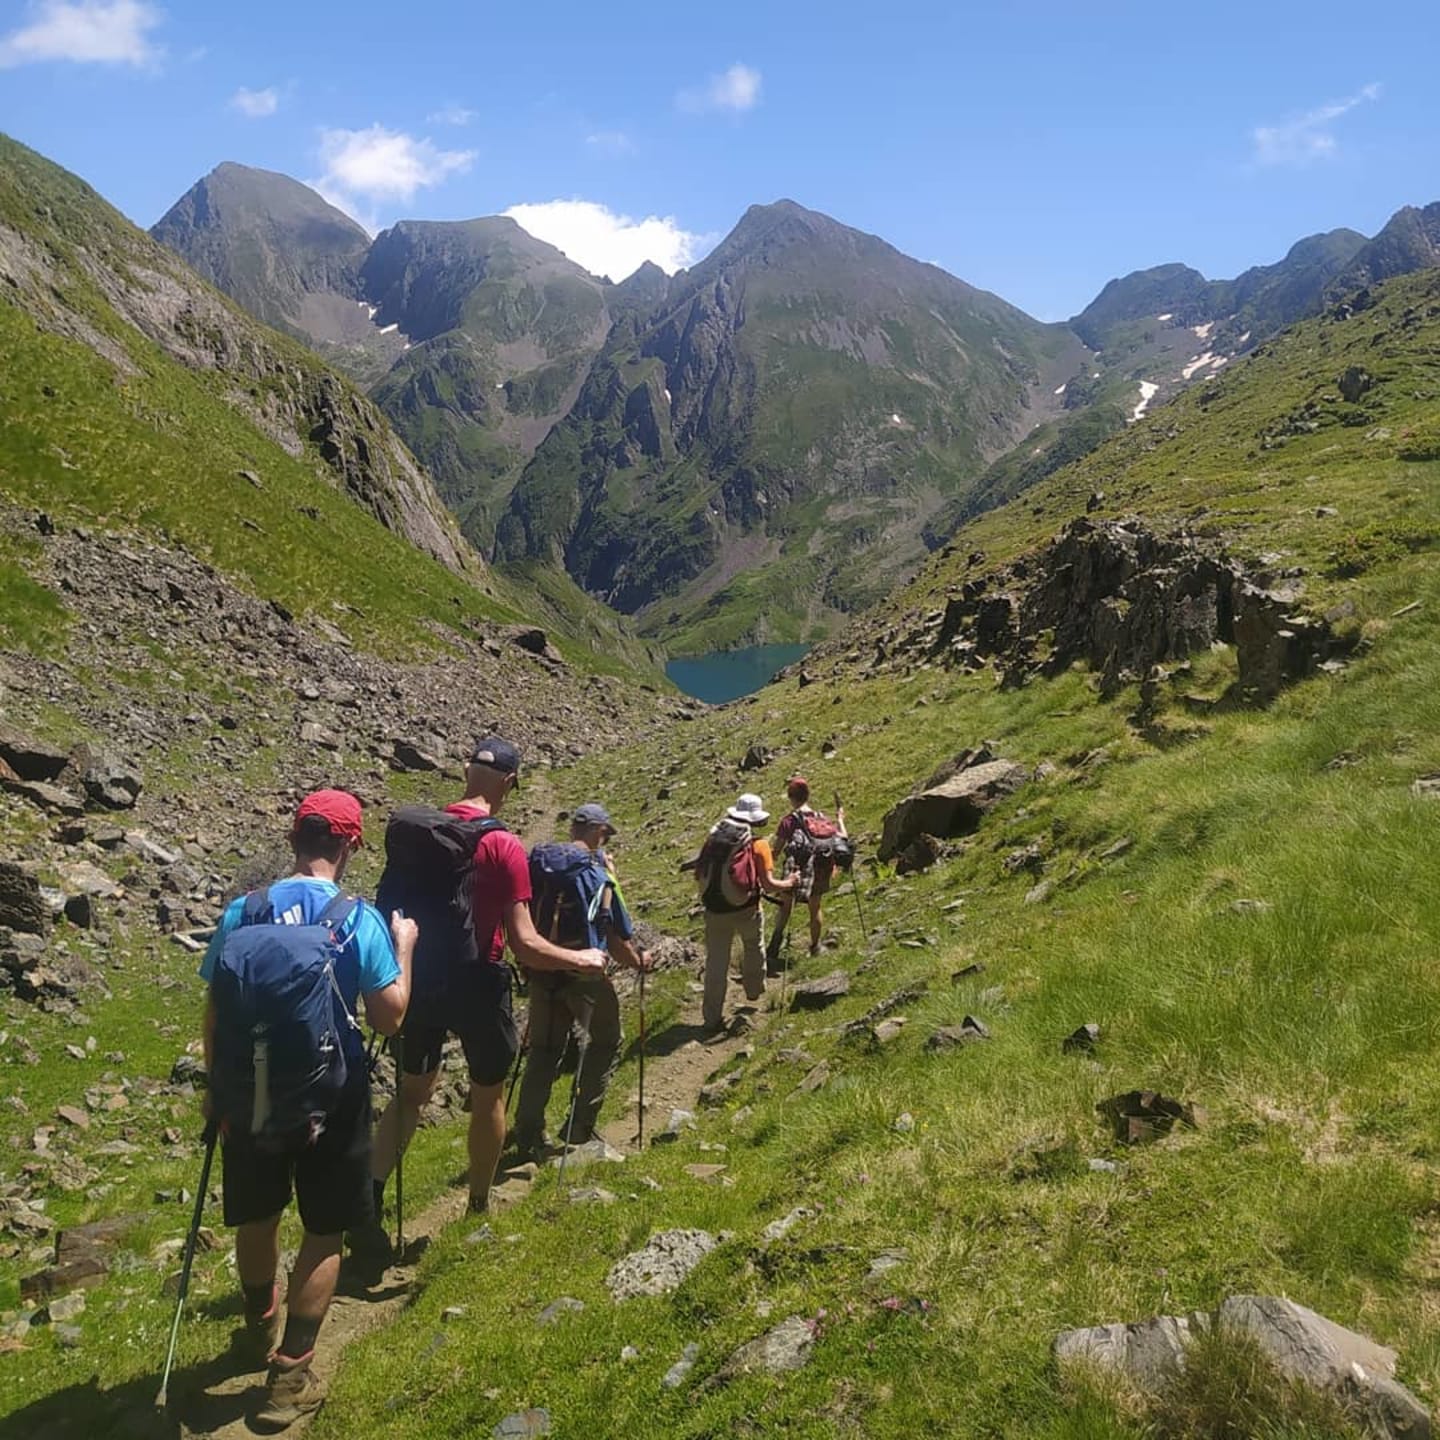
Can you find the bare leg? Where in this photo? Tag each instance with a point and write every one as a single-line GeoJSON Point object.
{"type": "Point", "coordinates": [817, 923]}
{"type": "Point", "coordinates": [257, 1252]}
{"type": "Point", "coordinates": [487, 1139]}
{"type": "Point", "coordinates": [312, 1281]}
{"type": "Point", "coordinates": [416, 1091]}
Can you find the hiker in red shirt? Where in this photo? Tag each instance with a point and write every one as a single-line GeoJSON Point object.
{"type": "Point", "coordinates": [476, 1002]}
{"type": "Point", "coordinates": [814, 869]}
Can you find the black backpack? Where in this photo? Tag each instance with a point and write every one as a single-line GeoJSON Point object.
{"type": "Point", "coordinates": [429, 876]}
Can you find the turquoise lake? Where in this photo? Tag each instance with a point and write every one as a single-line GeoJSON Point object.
{"type": "Point", "coordinates": [729, 674]}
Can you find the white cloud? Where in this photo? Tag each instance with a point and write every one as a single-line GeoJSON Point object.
{"type": "Point", "coordinates": [379, 165]}
{"type": "Point", "coordinates": [1306, 138]}
{"type": "Point", "coordinates": [451, 115]}
{"type": "Point", "coordinates": [610, 142]}
{"type": "Point", "coordinates": [256, 104]}
{"type": "Point", "coordinates": [605, 243]}
{"type": "Point", "coordinates": [737, 89]}
{"type": "Point", "coordinates": [103, 32]}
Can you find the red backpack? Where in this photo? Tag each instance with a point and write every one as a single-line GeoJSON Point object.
{"type": "Point", "coordinates": [727, 871]}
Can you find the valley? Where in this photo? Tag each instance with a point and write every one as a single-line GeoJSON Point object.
{"type": "Point", "coordinates": [1130, 715]}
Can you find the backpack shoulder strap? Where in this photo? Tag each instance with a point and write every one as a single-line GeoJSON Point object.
{"type": "Point", "coordinates": [342, 915]}
{"type": "Point", "coordinates": [257, 909]}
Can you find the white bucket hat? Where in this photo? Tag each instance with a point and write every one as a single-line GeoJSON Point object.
{"type": "Point", "coordinates": [748, 810]}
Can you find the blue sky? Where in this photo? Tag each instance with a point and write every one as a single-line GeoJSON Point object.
{"type": "Point", "coordinates": [1035, 149]}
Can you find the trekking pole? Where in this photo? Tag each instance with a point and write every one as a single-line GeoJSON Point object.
{"type": "Point", "coordinates": [640, 1133]}
{"type": "Point", "coordinates": [400, 1145]}
{"type": "Point", "coordinates": [519, 1061]}
{"type": "Point", "coordinates": [574, 1100]}
{"type": "Point", "coordinates": [212, 1132]}
{"type": "Point", "coordinates": [855, 886]}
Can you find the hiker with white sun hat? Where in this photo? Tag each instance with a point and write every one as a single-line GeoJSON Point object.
{"type": "Point", "coordinates": [733, 869]}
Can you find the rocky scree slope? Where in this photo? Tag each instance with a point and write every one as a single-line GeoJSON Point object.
{"type": "Point", "coordinates": [79, 270]}
{"type": "Point", "coordinates": [774, 435]}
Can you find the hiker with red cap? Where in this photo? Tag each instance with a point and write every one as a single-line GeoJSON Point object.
{"type": "Point", "coordinates": [289, 1086]}
{"type": "Point", "coordinates": [467, 879]}
{"type": "Point", "coordinates": [804, 837]}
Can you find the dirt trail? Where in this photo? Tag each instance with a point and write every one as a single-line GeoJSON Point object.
{"type": "Point", "coordinates": [674, 1074]}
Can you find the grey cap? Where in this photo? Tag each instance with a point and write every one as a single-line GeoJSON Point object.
{"type": "Point", "coordinates": [593, 814]}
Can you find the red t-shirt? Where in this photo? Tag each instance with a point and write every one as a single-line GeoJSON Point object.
{"type": "Point", "coordinates": [502, 877]}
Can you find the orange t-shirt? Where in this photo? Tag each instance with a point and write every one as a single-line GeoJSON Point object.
{"type": "Point", "coordinates": [765, 856]}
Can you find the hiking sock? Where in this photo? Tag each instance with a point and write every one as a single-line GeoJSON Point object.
{"type": "Point", "coordinates": [479, 1205]}
{"type": "Point", "coordinates": [260, 1300]}
{"type": "Point", "coordinates": [300, 1335]}
{"type": "Point", "coordinates": [377, 1193]}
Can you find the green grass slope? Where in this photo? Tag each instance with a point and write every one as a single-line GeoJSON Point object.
{"type": "Point", "coordinates": [1261, 943]}
{"type": "Point", "coordinates": [1247, 912]}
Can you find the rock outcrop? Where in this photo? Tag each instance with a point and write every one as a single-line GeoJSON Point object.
{"type": "Point", "coordinates": [1303, 1347]}
{"type": "Point", "coordinates": [952, 804]}
{"type": "Point", "coordinates": [1119, 597]}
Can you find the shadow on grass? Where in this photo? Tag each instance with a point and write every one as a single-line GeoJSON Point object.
{"type": "Point", "coordinates": [128, 1412]}
{"type": "Point", "coordinates": [667, 1041]}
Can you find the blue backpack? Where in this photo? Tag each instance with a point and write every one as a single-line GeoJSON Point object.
{"type": "Point", "coordinates": [568, 885]}
{"type": "Point", "coordinates": [278, 1066]}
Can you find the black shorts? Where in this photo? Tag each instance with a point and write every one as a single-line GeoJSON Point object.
{"type": "Point", "coordinates": [331, 1177]}
{"type": "Point", "coordinates": [479, 1012]}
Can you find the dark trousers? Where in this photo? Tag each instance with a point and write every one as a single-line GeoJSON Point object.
{"type": "Point", "coordinates": [559, 1004]}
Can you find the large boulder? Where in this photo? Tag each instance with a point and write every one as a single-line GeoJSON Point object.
{"type": "Point", "coordinates": [1149, 1353]}
{"type": "Point", "coordinates": [1317, 1352]}
{"type": "Point", "coordinates": [1302, 1346]}
{"type": "Point", "coordinates": [954, 807]}
{"type": "Point", "coordinates": [22, 906]}
{"type": "Point", "coordinates": [31, 759]}
{"type": "Point", "coordinates": [112, 783]}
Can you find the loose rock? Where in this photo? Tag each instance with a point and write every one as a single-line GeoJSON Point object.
{"type": "Point", "coordinates": [816, 994]}
{"type": "Point", "coordinates": [1141, 1116]}
{"type": "Point", "coordinates": [968, 1032]}
{"type": "Point", "coordinates": [661, 1266]}
{"type": "Point", "coordinates": [786, 1346]}
{"type": "Point", "coordinates": [565, 1305]}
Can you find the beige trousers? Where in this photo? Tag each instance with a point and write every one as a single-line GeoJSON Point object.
{"type": "Point", "coordinates": [720, 935]}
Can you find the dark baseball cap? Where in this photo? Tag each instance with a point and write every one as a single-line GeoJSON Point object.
{"type": "Point", "coordinates": [593, 814]}
{"type": "Point", "coordinates": [497, 754]}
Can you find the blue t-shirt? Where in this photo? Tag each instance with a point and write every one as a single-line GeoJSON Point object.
{"type": "Point", "coordinates": [366, 962]}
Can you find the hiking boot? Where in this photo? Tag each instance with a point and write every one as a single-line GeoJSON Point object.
{"type": "Point", "coordinates": [529, 1150]}
{"type": "Point", "coordinates": [371, 1250]}
{"type": "Point", "coordinates": [261, 1335]}
{"type": "Point", "coordinates": [292, 1391]}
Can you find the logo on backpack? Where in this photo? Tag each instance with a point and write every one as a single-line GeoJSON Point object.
{"type": "Point", "coordinates": [429, 875]}
{"type": "Point", "coordinates": [279, 1064]}
{"type": "Point", "coordinates": [568, 885]}
{"type": "Point", "coordinates": [727, 871]}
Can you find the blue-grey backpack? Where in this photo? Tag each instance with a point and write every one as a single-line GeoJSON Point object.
{"type": "Point", "coordinates": [278, 1067]}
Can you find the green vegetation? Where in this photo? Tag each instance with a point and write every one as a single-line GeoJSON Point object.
{"type": "Point", "coordinates": [1247, 911]}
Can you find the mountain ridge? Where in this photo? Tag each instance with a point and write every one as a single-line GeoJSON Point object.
{"type": "Point", "coordinates": [653, 438]}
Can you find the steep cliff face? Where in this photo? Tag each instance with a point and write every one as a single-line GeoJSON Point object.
{"type": "Point", "coordinates": [499, 331]}
{"type": "Point", "coordinates": [781, 425]}
{"type": "Point", "coordinates": [79, 269]}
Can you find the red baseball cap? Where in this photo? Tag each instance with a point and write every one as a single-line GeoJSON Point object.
{"type": "Point", "coordinates": [339, 808]}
